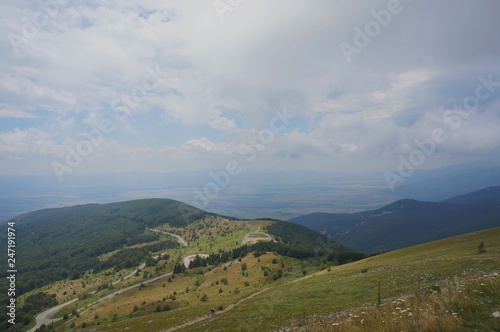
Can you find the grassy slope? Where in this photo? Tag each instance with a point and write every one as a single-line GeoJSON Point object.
{"type": "Point", "coordinates": [203, 237]}
{"type": "Point", "coordinates": [401, 272]}
{"type": "Point", "coordinates": [290, 299]}
{"type": "Point", "coordinates": [209, 235]}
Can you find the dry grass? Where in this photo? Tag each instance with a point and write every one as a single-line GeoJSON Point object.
{"type": "Point", "coordinates": [187, 304]}
{"type": "Point", "coordinates": [459, 305]}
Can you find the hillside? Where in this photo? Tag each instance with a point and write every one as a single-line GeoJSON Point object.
{"type": "Point", "coordinates": [82, 251]}
{"type": "Point", "coordinates": [446, 283]}
{"type": "Point", "coordinates": [408, 222]}
{"type": "Point", "coordinates": [486, 196]}
{"type": "Point", "coordinates": [53, 244]}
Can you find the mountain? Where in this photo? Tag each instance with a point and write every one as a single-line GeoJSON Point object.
{"type": "Point", "coordinates": [450, 181]}
{"type": "Point", "coordinates": [158, 264]}
{"type": "Point", "coordinates": [408, 222]}
{"type": "Point", "coordinates": [86, 249]}
{"type": "Point", "coordinates": [487, 196]}
{"type": "Point", "coordinates": [52, 244]}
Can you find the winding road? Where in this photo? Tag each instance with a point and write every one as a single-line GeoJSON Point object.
{"type": "Point", "coordinates": [263, 237]}
{"type": "Point", "coordinates": [179, 239]}
{"type": "Point", "coordinates": [45, 316]}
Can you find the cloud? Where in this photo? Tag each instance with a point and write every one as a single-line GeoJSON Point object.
{"type": "Point", "coordinates": [221, 81]}
{"type": "Point", "coordinates": [223, 124]}
{"type": "Point", "coordinates": [9, 112]}
{"type": "Point", "coordinates": [20, 143]}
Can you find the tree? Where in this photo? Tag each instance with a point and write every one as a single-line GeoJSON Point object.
{"type": "Point", "coordinates": [480, 248]}
{"type": "Point", "coordinates": [204, 298]}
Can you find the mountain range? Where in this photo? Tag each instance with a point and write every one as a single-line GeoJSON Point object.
{"type": "Point", "coordinates": [408, 222]}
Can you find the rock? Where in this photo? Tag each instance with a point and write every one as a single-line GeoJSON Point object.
{"type": "Point", "coordinates": [496, 314]}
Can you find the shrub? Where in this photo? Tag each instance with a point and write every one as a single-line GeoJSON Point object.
{"type": "Point", "coordinates": [480, 248]}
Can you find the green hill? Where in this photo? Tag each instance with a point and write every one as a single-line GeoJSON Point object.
{"type": "Point", "coordinates": [83, 251]}
{"type": "Point", "coordinates": [408, 222]}
{"type": "Point", "coordinates": [54, 244]}
{"type": "Point", "coordinates": [444, 285]}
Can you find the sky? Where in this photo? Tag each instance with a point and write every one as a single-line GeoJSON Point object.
{"type": "Point", "coordinates": [165, 86]}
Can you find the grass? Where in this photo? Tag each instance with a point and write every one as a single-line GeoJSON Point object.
{"type": "Point", "coordinates": [401, 273]}
{"type": "Point", "coordinates": [315, 302]}
{"type": "Point", "coordinates": [256, 235]}
{"type": "Point", "coordinates": [458, 305]}
{"type": "Point", "coordinates": [188, 293]}
{"type": "Point", "coordinates": [208, 235]}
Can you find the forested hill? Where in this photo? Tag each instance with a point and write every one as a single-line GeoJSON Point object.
{"type": "Point", "coordinates": [53, 244]}
{"type": "Point", "coordinates": [409, 222]}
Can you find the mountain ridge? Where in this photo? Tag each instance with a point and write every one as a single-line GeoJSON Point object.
{"type": "Point", "coordinates": [408, 222]}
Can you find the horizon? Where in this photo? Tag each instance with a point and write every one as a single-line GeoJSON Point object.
{"type": "Point", "coordinates": [254, 194]}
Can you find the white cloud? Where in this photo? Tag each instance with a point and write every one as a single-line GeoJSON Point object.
{"type": "Point", "coordinates": [232, 75]}
{"type": "Point", "coordinates": [9, 112]}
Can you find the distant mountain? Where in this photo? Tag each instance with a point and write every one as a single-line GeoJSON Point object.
{"type": "Point", "coordinates": [442, 183]}
{"type": "Point", "coordinates": [487, 196]}
{"type": "Point", "coordinates": [408, 222]}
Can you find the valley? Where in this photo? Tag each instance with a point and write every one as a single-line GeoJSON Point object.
{"type": "Point", "coordinates": [162, 265]}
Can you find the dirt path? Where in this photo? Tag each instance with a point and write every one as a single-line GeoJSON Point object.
{"type": "Point", "coordinates": [249, 238]}
{"type": "Point", "coordinates": [44, 317]}
{"type": "Point", "coordinates": [208, 316]}
{"type": "Point", "coordinates": [179, 239]}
